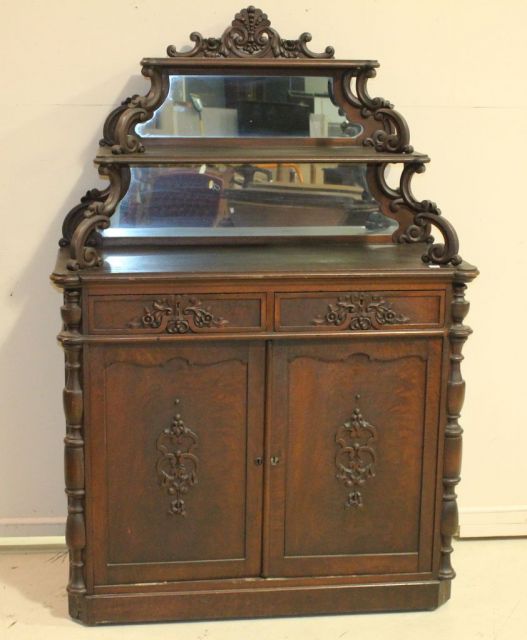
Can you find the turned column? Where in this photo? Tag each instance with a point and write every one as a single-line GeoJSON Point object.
{"type": "Point", "coordinates": [74, 441]}
{"type": "Point", "coordinates": [453, 433]}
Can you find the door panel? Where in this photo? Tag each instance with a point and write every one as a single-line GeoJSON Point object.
{"type": "Point", "coordinates": [353, 433]}
{"type": "Point", "coordinates": [172, 438]}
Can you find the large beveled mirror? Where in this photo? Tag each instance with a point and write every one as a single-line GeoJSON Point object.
{"type": "Point", "coordinates": [250, 200]}
{"type": "Point", "coordinates": [231, 106]}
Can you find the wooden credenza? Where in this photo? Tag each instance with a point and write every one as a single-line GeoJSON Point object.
{"type": "Point", "coordinates": [263, 341]}
{"type": "Point", "coordinates": [265, 445]}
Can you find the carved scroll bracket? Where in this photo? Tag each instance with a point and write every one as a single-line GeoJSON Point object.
{"type": "Point", "coordinates": [91, 215]}
{"type": "Point", "coordinates": [249, 35]}
{"type": "Point", "coordinates": [120, 124]}
{"type": "Point", "coordinates": [394, 136]}
{"type": "Point", "coordinates": [425, 215]}
{"type": "Point", "coordinates": [356, 456]}
{"type": "Point", "coordinates": [177, 465]}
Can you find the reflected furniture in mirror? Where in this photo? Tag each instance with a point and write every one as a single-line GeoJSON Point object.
{"type": "Point", "coordinates": [262, 328]}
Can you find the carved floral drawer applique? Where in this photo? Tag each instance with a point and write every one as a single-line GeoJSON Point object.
{"type": "Point", "coordinates": [180, 317]}
{"type": "Point", "coordinates": [360, 312]}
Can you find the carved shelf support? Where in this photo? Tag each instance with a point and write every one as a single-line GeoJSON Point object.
{"type": "Point", "coordinates": [425, 215]}
{"type": "Point", "coordinates": [355, 458]}
{"type": "Point", "coordinates": [453, 433]}
{"type": "Point", "coordinates": [360, 312]}
{"type": "Point", "coordinates": [249, 35]}
{"type": "Point", "coordinates": [92, 215]}
{"type": "Point", "coordinates": [118, 130]}
{"type": "Point", "coordinates": [177, 466]}
{"type": "Point", "coordinates": [74, 442]}
{"type": "Point", "coordinates": [394, 136]}
{"type": "Point", "coordinates": [177, 317]}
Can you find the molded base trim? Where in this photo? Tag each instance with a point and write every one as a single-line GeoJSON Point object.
{"type": "Point", "coordinates": [255, 603]}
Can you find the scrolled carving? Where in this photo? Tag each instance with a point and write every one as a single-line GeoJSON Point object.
{"type": "Point", "coordinates": [178, 317]}
{"type": "Point", "coordinates": [93, 215]}
{"type": "Point", "coordinates": [177, 464]}
{"type": "Point", "coordinates": [356, 457]}
{"type": "Point", "coordinates": [119, 125]}
{"type": "Point", "coordinates": [77, 214]}
{"type": "Point", "coordinates": [425, 215]}
{"type": "Point", "coordinates": [74, 442]}
{"type": "Point", "coordinates": [395, 135]}
{"type": "Point", "coordinates": [360, 312]}
{"type": "Point", "coordinates": [458, 335]}
{"type": "Point", "coordinates": [250, 35]}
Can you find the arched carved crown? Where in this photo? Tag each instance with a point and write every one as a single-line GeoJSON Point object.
{"type": "Point", "coordinates": [250, 35]}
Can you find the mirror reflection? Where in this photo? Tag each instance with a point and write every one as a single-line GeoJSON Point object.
{"type": "Point", "coordinates": [250, 199]}
{"type": "Point", "coordinates": [249, 106]}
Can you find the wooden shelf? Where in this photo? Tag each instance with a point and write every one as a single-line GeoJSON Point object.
{"type": "Point", "coordinates": [262, 63]}
{"type": "Point", "coordinates": [161, 152]}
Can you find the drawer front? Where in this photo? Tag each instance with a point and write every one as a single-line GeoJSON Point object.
{"type": "Point", "coordinates": [359, 310]}
{"type": "Point", "coordinates": [176, 313]}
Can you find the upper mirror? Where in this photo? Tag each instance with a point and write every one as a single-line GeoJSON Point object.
{"type": "Point", "coordinates": [231, 106]}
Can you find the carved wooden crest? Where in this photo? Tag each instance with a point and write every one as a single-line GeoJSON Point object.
{"type": "Point", "coordinates": [250, 35]}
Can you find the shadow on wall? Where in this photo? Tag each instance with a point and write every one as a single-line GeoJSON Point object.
{"type": "Point", "coordinates": [32, 370]}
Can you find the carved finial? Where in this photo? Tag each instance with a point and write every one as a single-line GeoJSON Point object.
{"type": "Point", "coordinates": [250, 35]}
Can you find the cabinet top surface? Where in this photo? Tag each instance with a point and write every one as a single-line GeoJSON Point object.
{"type": "Point", "coordinates": [259, 262]}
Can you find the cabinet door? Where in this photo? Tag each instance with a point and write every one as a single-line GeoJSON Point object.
{"type": "Point", "coordinates": [173, 432]}
{"type": "Point", "coordinates": [353, 432]}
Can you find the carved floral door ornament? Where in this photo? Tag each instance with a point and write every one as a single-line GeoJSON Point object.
{"type": "Point", "coordinates": [356, 456]}
{"type": "Point", "coordinates": [177, 464]}
{"type": "Point", "coordinates": [360, 312]}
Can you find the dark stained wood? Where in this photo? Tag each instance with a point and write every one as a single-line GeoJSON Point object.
{"type": "Point", "coordinates": [271, 426]}
{"type": "Point", "coordinates": [359, 309]}
{"type": "Point", "coordinates": [376, 396]}
{"type": "Point", "coordinates": [307, 599]}
{"type": "Point", "coordinates": [268, 261]}
{"type": "Point", "coordinates": [246, 64]}
{"type": "Point", "coordinates": [141, 538]}
{"type": "Point", "coordinates": [177, 313]}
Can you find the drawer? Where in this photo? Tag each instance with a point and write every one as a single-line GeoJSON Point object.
{"type": "Point", "coordinates": [359, 310]}
{"type": "Point", "coordinates": [176, 313]}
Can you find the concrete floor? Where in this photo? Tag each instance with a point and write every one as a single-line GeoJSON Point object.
{"type": "Point", "coordinates": [489, 601]}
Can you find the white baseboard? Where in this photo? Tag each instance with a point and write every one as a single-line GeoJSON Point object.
{"type": "Point", "coordinates": [493, 522]}
{"type": "Point", "coordinates": [32, 543]}
{"type": "Point", "coordinates": [474, 522]}
{"type": "Point", "coordinates": [32, 526]}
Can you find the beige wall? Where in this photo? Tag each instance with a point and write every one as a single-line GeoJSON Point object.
{"type": "Point", "coordinates": [456, 69]}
